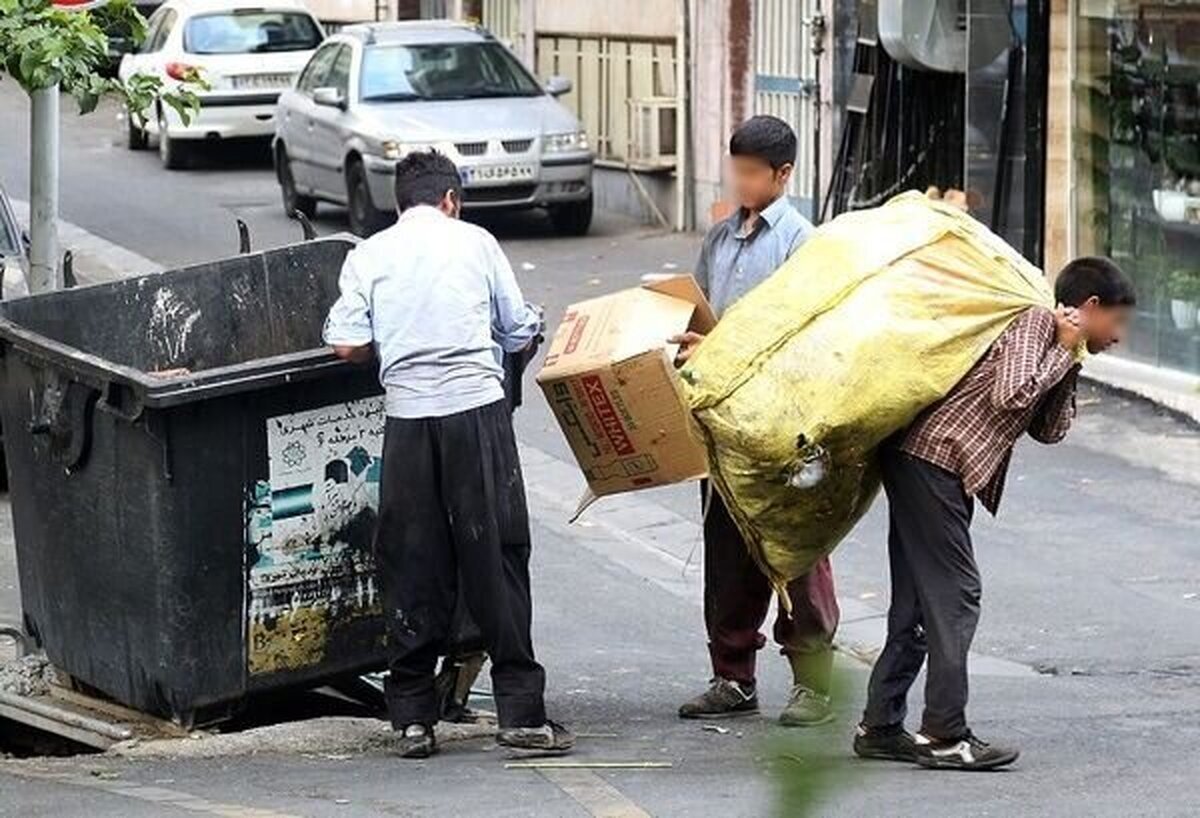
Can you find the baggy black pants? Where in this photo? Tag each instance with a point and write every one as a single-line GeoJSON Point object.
{"type": "Point", "coordinates": [453, 521]}
{"type": "Point", "coordinates": [935, 597]}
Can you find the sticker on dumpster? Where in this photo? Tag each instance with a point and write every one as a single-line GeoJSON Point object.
{"type": "Point", "coordinates": [308, 532]}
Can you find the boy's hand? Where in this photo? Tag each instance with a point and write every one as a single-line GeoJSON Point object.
{"type": "Point", "coordinates": [1070, 331]}
{"type": "Point", "coordinates": [688, 342]}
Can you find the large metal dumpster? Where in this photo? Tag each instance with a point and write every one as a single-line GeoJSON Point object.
{"type": "Point", "coordinates": [186, 538]}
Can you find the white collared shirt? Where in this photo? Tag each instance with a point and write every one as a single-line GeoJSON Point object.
{"type": "Point", "coordinates": [440, 302]}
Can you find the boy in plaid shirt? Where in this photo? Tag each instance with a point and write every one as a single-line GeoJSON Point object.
{"type": "Point", "coordinates": [957, 450]}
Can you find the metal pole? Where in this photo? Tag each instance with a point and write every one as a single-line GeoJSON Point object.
{"type": "Point", "coordinates": [44, 272]}
{"type": "Point", "coordinates": [817, 31]}
{"type": "Point", "coordinates": [683, 64]}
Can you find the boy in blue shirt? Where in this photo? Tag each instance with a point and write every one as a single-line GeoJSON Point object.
{"type": "Point", "coordinates": [738, 254]}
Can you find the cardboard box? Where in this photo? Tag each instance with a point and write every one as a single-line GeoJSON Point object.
{"type": "Point", "coordinates": [610, 378]}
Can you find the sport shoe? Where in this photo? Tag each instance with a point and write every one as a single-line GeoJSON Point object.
{"type": "Point", "coordinates": [416, 741]}
{"type": "Point", "coordinates": [551, 739]}
{"type": "Point", "coordinates": [885, 743]}
{"type": "Point", "coordinates": [806, 708]}
{"type": "Point", "coordinates": [723, 699]}
{"type": "Point", "coordinates": [965, 753]}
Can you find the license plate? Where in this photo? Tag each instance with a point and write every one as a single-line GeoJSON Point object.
{"type": "Point", "coordinates": [491, 174]}
{"type": "Point", "coordinates": [268, 81]}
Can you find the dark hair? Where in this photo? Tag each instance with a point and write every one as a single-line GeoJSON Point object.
{"type": "Point", "coordinates": [768, 138]}
{"type": "Point", "coordinates": [1089, 276]}
{"type": "Point", "coordinates": [423, 177]}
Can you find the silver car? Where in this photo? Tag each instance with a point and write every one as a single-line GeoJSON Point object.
{"type": "Point", "coordinates": [373, 93]}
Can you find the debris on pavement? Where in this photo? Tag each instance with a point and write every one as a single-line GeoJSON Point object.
{"type": "Point", "coordinates": [325, 737]}
{"type": "Point", "coordinates": [715, 728]}
{"type": "Point", "coordinates": [28, 676]}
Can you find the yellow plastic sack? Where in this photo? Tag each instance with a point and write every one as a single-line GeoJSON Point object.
{"type": "Point", "coordinates": [878, 315]}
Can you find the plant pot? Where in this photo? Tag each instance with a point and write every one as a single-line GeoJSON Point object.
{"type": "Point", "coordinates": [1183, 313]}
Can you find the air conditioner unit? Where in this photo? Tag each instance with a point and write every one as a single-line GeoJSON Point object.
{"type": "Point", "coordinates": [931, 35]}
{"type": "Point", "coordinates": [652, 132]}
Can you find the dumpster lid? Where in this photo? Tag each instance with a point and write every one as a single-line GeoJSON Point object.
{"type": "Point", "coordinates": [202, 331]}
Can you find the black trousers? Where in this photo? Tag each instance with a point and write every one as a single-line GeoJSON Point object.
{"type": "Point", "coordinates": [453, 524]}
{"type": "Point", "coordinates": [935, 597]}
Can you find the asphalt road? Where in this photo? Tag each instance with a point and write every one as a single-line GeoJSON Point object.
{"type": "Point", "coordinates": [1088, 655]}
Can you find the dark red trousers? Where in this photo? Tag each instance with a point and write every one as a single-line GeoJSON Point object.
{"type": "Point", "coordinates": [737, 597]}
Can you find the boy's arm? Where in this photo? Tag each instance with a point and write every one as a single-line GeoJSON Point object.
{"type": "Point", "coordinates": [348, 326]}
{"type": "Point", "coordinates": [1032, 362]}
{"type": "Point", "coordinates": [1056, 411]}
{"type": "Point", "coordinates": [514, 322]}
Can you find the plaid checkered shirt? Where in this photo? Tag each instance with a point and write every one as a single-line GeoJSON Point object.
{"type": "Point", "coordinates": [1025, 383]}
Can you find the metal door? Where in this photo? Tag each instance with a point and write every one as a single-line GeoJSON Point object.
{"type": "Point", "coordinates": [503, 18]}
{"type": "Point", "coordinates": [784, 80]}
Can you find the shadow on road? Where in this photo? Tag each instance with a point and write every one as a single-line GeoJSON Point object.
{"type": "Point", "coordinates": [231, 155]}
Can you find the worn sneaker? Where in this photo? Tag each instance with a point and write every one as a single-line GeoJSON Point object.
{"type": "Point", "coordinates": [723, 699]}
{"type": "Point", "coordinates": [965, 753]}
{"type": "Point", "coordinates": [551, 739]}
{"type": "Point", "coordinates": [885, 743]}
{"type": "Point", "coordinates": [806, 708]}
{"type": "Point", "coordinates": [416, 741]}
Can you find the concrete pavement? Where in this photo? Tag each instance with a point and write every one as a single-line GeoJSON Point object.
{"type": "Point", "coordinates": [1088, 654]}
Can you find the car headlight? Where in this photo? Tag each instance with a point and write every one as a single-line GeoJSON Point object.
{"type": "Point", "coordinates": [559, 142]}
{"type": "Point", "coordinates": [393, 149]}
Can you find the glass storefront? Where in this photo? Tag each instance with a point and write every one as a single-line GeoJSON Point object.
{"type": "Point", "coordinates": [1136, 138]}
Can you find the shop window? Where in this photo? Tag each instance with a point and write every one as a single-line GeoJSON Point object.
{"type": "Point", "coordinates": [1136, 138]}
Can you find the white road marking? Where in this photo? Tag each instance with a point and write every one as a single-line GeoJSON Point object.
{"type": "Point", "coordinates": [594, 794]}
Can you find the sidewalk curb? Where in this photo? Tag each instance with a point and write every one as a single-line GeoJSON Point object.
{"type": "Point", "coordinates": [96, 259]}
{"type": "Point", "coordinates": [1177, 393]}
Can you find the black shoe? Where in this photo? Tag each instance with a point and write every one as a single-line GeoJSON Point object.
{"type": "Point", "coordinates": [965, 753]}
{"type": "Point", "coordinates": [551, 739]}
{"type": "Point", "coordinates": [885, 743]}
{"type": "Point", "coordinates": [723, 699]}
{"type": "Point", "coordinates": [416, 741]}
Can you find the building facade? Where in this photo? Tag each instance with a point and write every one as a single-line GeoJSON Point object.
{"type": "Point", "coordinates": [1124, 154]}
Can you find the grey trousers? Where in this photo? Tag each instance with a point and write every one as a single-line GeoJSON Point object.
{"type": "Point", "coordinates": [935, 597]}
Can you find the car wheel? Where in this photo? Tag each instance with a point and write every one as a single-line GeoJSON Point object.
{"type": "Point", "coordinates": [293, 201]}
{"type": "Point", "coordinates": [573, 218]}
{"type": "Point", "coordinates": [136, 137]}
{"type": "Point", "coordinates": [174, 153]}
{"type": "Point", "coordinates": [365, 218]}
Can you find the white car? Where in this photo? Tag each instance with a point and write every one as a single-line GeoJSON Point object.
{"type": "Point", "coordinates": [246, 54]}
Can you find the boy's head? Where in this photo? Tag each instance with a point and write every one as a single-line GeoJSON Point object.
{"type": "Point", "coordinates": [428, 178]}
{"type": "Point", "coordinates": [762, 154]}
{"type": "Point", "coordinates": [1104, 296]}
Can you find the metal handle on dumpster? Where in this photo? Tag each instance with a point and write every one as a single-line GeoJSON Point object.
{"type": "Point", "coordinates": [65, 419]}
